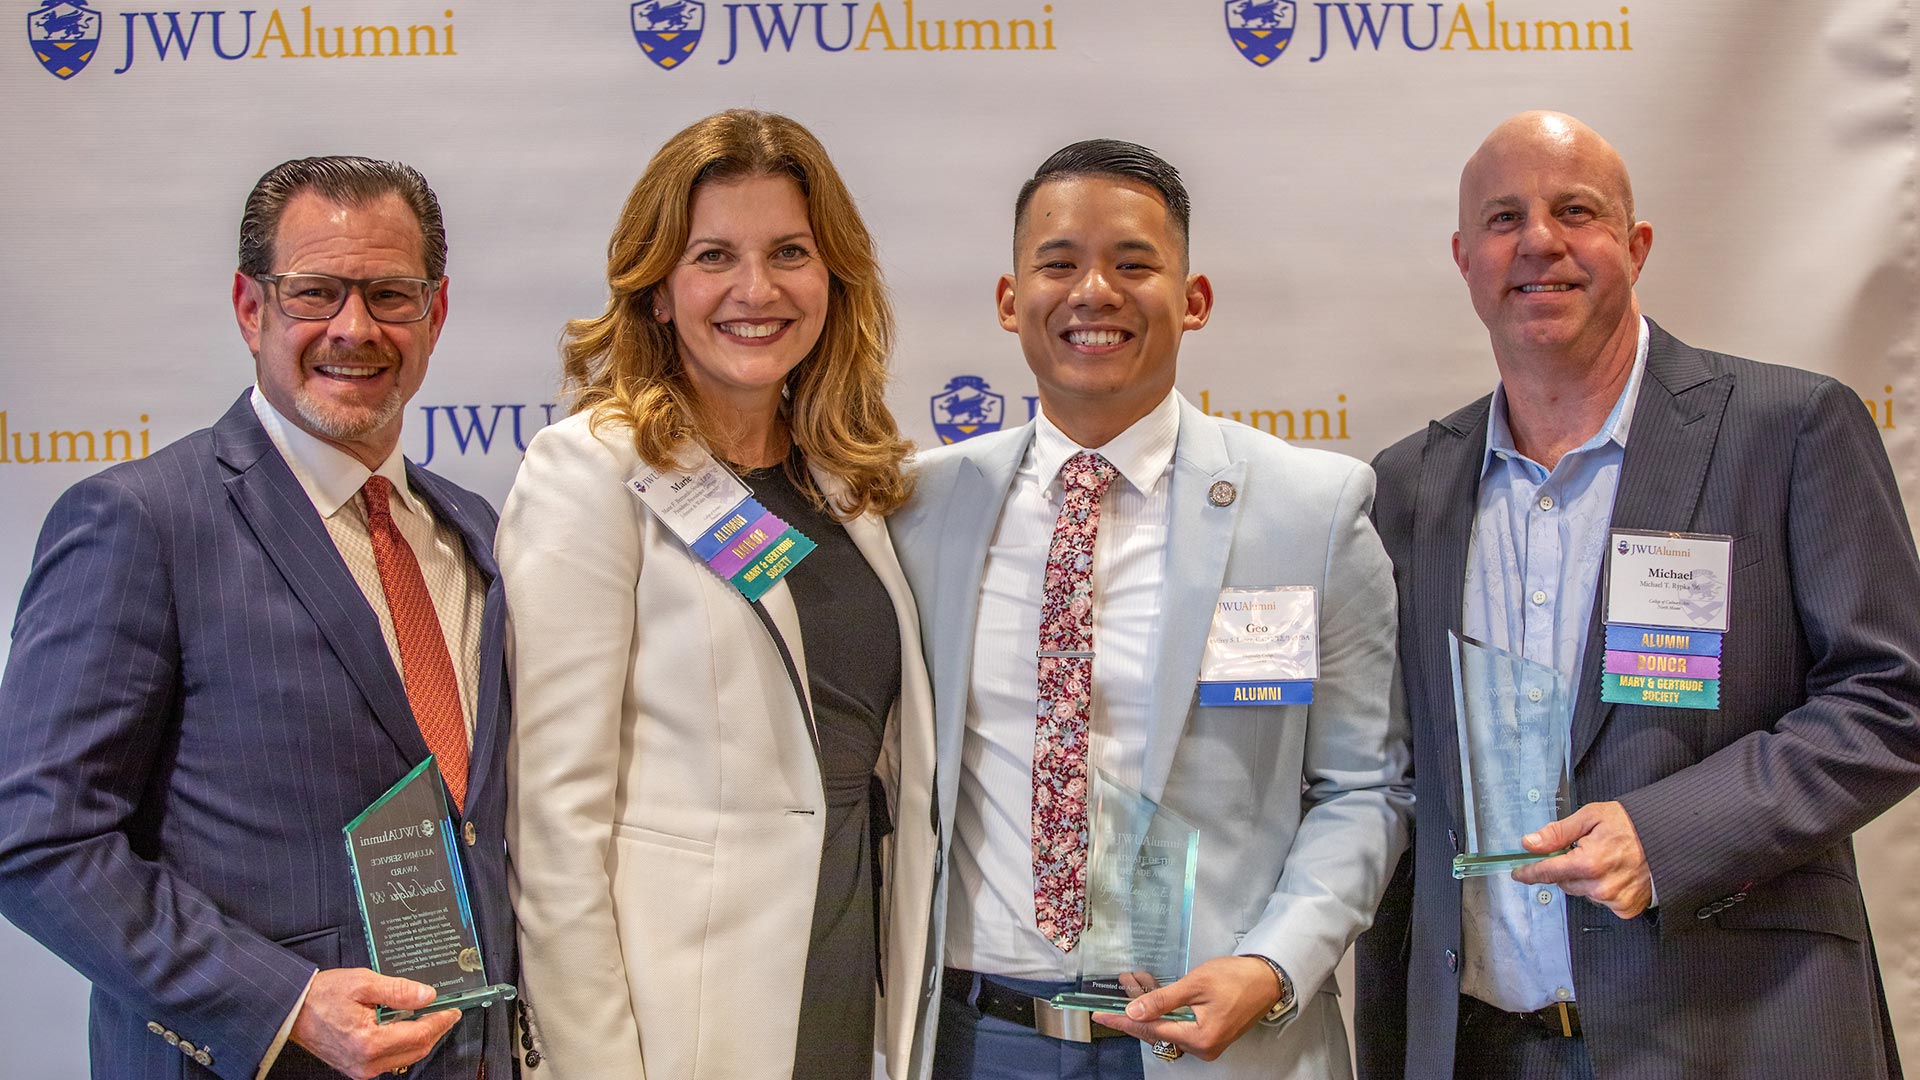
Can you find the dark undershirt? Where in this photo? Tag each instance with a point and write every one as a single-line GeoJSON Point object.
{"type": "Point", "coordinates": [851, 640]}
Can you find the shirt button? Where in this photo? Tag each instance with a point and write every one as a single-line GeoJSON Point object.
{"type": "Point", "coordinates": [1533, 795]}
{"type": "Point", "coordinates": [470, 833]}
{"type": "Point", "coordinates": [1534, 694]}
{"type": "Point", "coordinates": [1563, 994]}
{"type": "Point", "coordinates": [1545, 896]}
{"type": "Point", "coordinates": [1546, 502]}
{"type": "Point", "coordinates": [1501, 454]}
{"type": "Point", "coordinates": [1539, 596]}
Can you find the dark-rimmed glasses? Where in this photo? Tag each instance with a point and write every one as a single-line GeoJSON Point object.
{"type": "Point", "coordinates": [321, 296]}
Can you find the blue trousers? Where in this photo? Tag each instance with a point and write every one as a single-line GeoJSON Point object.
{"type": "Point", "coordinates": [970, 1046]}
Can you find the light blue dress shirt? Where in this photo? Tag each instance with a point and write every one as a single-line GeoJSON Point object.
{"type": "Point", "coordinates": [1532, 571]}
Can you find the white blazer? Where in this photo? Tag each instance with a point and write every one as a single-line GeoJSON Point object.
{"type": "Point", "coordinates": [665, 813]}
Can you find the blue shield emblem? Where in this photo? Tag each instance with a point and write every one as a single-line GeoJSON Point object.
{"type": "Point", "coordinates": [967, 407]}
{"type": "Point", "coordinates": [1260, 28]}
{"type": "Point", "coordinates": [64, 34]}
{"type": "Point", "coordinates": [668, 30]}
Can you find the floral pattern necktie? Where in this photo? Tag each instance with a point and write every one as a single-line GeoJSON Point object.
{"type": "Point", "coordinates": [1066, 688]}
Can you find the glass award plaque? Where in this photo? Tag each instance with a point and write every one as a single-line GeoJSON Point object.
{"type": "Point", "coordinates": [413, 896]}
{"type": "Point", "coordinates": [1515, 722]}
{"type": "Point", "coordinates": [1141, 865]}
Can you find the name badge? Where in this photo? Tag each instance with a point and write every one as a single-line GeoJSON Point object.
{"type": "Point", "coordinates": [1264, 648]}
{"type": "Point", "coordinates": [717, 517]}
{"type": "Point", "coordinates": [1666, 615]}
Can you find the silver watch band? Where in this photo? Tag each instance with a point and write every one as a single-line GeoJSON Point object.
{"type": "Point", "coordinates": [1284, 1007]}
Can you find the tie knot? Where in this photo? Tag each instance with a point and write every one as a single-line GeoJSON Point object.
{"type": "Point", "coordinates": [1089, 472]}
{"type": "Point", "coordinates": [375, 491]}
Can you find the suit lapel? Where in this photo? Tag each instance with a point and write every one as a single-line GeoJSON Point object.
{"type": "Point", "coordinates": [276, 508]}
{"type": "Point", "coordinates": [1442, 534]}
{"type": "Point", "coordinates": [973, 510]}
{"type": "Point", "coordinates": [1199, 542]}
{"type": "Point", "coordinates": [1676, 422]}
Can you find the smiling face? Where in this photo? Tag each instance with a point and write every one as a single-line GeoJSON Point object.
{"type": "Point", "coordinates": [1100, 296]}
{"type": "Point", "coordinates": [748, 299]}
{"type": "Point", "coordinates": [1547, 240]}
{"type": "Point", "coordinates": [344, 380]}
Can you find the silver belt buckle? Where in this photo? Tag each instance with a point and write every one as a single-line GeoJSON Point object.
{"type": "Point", "coordinates": [1056, 1022]}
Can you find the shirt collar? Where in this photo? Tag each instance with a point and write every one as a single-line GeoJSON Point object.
{"type": "Point", "coordinates": [329, 475]}
{"type": "Point", "coordinates": [1614, 430]}
{"type": "Point", "coordinates": [1141, 452]}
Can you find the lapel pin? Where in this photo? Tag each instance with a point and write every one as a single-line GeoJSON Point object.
{"type": "Point", "coordinates": [1221, 493]}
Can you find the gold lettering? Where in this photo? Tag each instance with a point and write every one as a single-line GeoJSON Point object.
{"type": "Point", "coordinates": [877, 21]}
{"type": "Point", "coordinates": [276, 28]}
{"type": "Point", "coordinates": [980, 28]}
{"type": "Point", "coordinates": [73, 445]}
{"type": "Point", "coordinates": [1540, 35]}
{"type": "Point", "coordinates": [377, 33]}
{"type": "Point", "coordinates": [1461, 24]}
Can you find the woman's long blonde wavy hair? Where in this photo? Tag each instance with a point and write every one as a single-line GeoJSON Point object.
{"type": "Point", "coordinates": [624, 365]}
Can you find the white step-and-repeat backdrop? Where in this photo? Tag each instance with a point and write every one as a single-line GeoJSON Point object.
{"type": "Point", "coordinates": [1772, 146]}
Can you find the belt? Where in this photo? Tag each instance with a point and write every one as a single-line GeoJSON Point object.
{"type": "Point", "coordinates": [1038, 1014]}
{"type": "Point", "coordinates": [1562, 1018]}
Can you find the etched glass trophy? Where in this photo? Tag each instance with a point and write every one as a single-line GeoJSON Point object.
{"type": "Point", "coordinates": [413, 896]}
{"type": "Point", "coordinates": [1141, 865]}
{"type": "Point", "coordinates": [1515, 720]}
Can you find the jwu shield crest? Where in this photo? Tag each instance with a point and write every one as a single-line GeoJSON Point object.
{"type": "Point", "coordinates": [668, 30]}
{"type": "Point", "coordinates": [1260, 28]}
{"type": "Point", "coordinates": [64, 34]}
{"type": "Point", "coordinates": [967, 407]}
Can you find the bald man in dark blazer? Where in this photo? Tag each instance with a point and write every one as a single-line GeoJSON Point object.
{"type": "Point", "coordinates": [1710, 917]}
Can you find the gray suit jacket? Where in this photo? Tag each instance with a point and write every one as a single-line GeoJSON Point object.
{"type": "Point", "coordinates": [1757, 962]}
{"type": "Point", "coordinates": [1301, 809]}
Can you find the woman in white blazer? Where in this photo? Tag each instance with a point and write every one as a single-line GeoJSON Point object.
{"type": "Point", "coordinates": [700, 783]}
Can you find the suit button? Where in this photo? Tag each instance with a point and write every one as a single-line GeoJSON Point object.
{"type": "Point", "coordinates": [154, 1026]}
{"type": "Point", "coordinates": [470, 833]}
{"type": "Point", "coordinates": [1454, 839]}
{"type": "Point", "coordinates": [186, 1047]}
{"type": "Point", "coordinates": [172, 1039]}
{"type": "Point", "coordinates": [204, 1058]}
{"type": "Point", "coordinates": [1453, 960]}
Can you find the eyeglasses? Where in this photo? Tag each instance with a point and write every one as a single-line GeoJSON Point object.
{"type": "Point", "coordinates": [321, 296]}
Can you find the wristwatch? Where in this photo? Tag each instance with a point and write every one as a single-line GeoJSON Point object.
{"type": "Point", "coordinates": [1284, 1007]}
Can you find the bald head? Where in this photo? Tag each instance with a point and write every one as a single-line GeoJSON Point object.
{"type": "Point", "coordinates": [1549, 246]}
{"type": "Point", "coordinates": [1543, 138]}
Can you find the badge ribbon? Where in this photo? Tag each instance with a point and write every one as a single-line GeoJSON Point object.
{"type": "Point", "coordinates": [1666, 608]}
{"type": "Point", "coordinates": [716, 516]}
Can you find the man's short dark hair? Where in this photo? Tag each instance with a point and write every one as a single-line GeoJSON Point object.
{"type": "Point", "coordinates": [1118, 160]}
{"type": "Point", "coordinates": [348, 181]}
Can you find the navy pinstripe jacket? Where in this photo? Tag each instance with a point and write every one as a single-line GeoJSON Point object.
{"type": "Point", "coordinates": [197, 699]}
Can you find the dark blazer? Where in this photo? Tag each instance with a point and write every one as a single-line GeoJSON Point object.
{"type": "Point", "coordinates": [198, 698]}
{"type": "Point", "coordinates": [1757, 962]}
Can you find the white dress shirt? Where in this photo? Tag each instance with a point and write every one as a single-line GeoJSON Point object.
{"type": "Point", "coordinates": [991, 926]}
{"type": "Point", "coordinates": [332, 479]}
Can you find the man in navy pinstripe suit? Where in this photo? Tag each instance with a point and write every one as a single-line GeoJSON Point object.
{"type": "Point", "coordinates": [206, 680]}
{"type": "Point", "coordinates": [1707, 921]}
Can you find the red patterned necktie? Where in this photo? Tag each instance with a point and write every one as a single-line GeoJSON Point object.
{"type": "Point", "coordinates": [425, 666]}
{"type": "Point", "coordinates": [1066, 688]}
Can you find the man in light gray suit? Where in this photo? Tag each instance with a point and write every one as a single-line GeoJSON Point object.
{"type": "Point", "coordinates": [1069, 573]}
